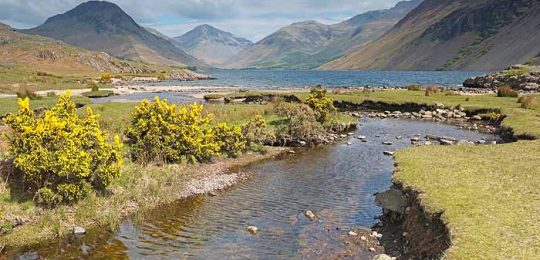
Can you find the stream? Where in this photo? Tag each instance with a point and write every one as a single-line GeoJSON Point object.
{"type": "Point", "coordinates": [336, 182]}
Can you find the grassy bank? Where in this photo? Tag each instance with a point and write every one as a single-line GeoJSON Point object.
{"type": "Point", "coordinates": [489, 196]}
{"type": "Point", "coordinates": [522, 121]}
{"type": "Point", "coordinates": [9, 105]}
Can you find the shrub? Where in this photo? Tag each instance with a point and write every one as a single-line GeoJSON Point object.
{"type": "Point", "coordinates": [229, 139]}
{"type": "Point", "coordinates": [162, 76]}
{"type": "Point", "coordinates": [431, 90]}
{"type": "Point", "coordinates": [320, 103]}
{"type": "Point", "coordinates": [59, 155]}
{"type": "Point", "coordinates": [506, 91]}
{"type": "Point", "coordinates": [414, 88]}
{"type": "Point", "coordinates": [51, 94]}
{"type": "Point", "coordinates": [161, 132]}
{"type": "Point", "coordinates": [28, 94]}
{"type": "Point", "coordinates": [257, 132]}
{"type": "Point", "coordinates": [300, 124]}
{"type": "Point", "coordinates": [93, 86]}
{"type": "Point", "coordinates": [526, 102]}
{"type": "Point", "coordinates": [105, 77]}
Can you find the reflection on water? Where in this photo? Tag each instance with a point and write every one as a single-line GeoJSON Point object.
{"type": "Point", "coordinates": [336, 182]}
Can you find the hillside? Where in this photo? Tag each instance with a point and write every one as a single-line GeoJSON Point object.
{"type": "Point", "coordinates": [103, 26]}
{"type": "Point", "coordinates": [52, 56]}
{"type": "Point", "coordinates": [211, 45]}
{"type": "Point", "coordinates": [454, 35]}
{"type": "Point", "coordinates": [308, 44]}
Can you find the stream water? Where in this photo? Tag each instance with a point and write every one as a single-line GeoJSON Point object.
{"type": "Point", "coordinates": [336, 182]}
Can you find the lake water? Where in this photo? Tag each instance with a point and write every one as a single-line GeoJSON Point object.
{"type": "Point", "coordinates": [299, 78]}
{"type": "Point", "coordinates": [336, 182]}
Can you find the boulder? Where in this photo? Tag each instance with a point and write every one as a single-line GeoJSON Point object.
{"type": "Point", "coordinates": [352, 233]}
{"type": "Point", "coordinates": [389, 153]}
{"type": "Point", "coordinates": [476, 118]}
{"type": "Point", "coordinates": [387, 143]}
{"type": "Point", "coordinates": [392, 200]}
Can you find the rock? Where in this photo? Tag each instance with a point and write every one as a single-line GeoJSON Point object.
{"type": "Point", "coordinates": [382, 257]}
{"type": "Point", "coordinates": [477, 118]}
{"type": "Point", "coordinates": [371, 249]}
{"type": "Point", "coordinates": [363, 238]}
{"type": "Point", "coordinates": [415, 139]}
{"type": "Point", "coordinates": [343, 136]}
{"type": "Point", "coordinates": [349, 143]}
{"type": "Point", "coordinates": [291, 152]}
{"type": "Point", "coordinates": [387, 143]}
{"type": "Point", "coordinates": [310, 215]}
{"type": "Point", "coordinates": [213, 194]}
{"type": "Point", "coordinates": [350, 134]}
{"type": "Point", "coordinates": [439, 105]}
{"type": "Point", "coordinates": [352, 233]}
{"type": "Point", "coordinates": [252, 230]}
{"type": "Point", "coordinates": [302, 143]}
{"type": "Point", "coordinates": [361, 137]}
{"type": "Point", "coordinates": [399, 137]}
{"type": "Point", "coordinates": [464, 142]}
{"type": "Point", "coordinates": [389, 153]}
{"type": "Point", "coordinates": [2, 248]}
{"type": "Point", "coordinates": [79, 231]}
{"type": "Point", "coordinates": [392, 200]}
{"type": "Point", "coordinates": [446, 142]}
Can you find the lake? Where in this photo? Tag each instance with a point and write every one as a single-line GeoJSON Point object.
{"type": "Point", "coordinates": [301, 78]}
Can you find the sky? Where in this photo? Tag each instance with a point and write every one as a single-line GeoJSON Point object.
{"type": "Point", "coordinates": [251, 19]}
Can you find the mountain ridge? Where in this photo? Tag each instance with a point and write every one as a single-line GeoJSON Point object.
{"type": "Point", "coordinates": [308, 44]}
{"type": "Point", "coordinates": [104, 26]}
{"type": "Point", "coordinates": [211, 45]}
{"type": "Point", "coordinates": [453, 35]}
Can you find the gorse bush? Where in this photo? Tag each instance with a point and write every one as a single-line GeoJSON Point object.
{"type": "Point", "coordinates": [164, 133]}
{"type": "Point", "coordinates": [229, 139]}
{"type": "Point", "coordinates": [59, 155]}
{"type": "Point", "coordinates": [320, 103]}
{"type": "Point", "coordinates": [257, 132]}
{"type": "Point", "coordinates": [106, 77]}
{"type": "Point", "coordinates": [506, 91]}
{"type": "Point", "coordinates": [301, 123]}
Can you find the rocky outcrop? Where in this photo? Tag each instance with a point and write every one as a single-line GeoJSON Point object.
{"type": "Point", "coordinates": [518, 77]}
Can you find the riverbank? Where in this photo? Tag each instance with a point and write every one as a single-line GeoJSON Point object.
{"type": "Point", "coordinates": [139, 188]}
{"type": "Point", "coordinates": [486, 197]}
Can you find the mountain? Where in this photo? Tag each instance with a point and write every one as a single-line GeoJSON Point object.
{"type": "Point", "coordinates": [53, 56]}
{"type": "Point", "coordinates": [308, 44]}
{"type": "Point", "coordinates": [454, 35]}
{"type": "Point", "coordinates": [103, 26]}
{"type": "Point", "coordinates": [211, 45]}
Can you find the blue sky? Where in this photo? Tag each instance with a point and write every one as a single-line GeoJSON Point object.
{"type": "Point", "coordinates": [251, 19]}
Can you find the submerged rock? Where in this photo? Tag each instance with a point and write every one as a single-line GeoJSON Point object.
{"type": "Point", "coordinates": [389, 153]}
{"type": "Point", "coordinates": [310, 215]}
{"type": "Point", "coordinates": [252, 230]}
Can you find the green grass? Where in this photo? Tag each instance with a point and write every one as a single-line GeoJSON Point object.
{"type": "Point", "coordinates": [9, 105]}
{"type": "Point", "coordinates": [522, 121]}
{"type": "Point", "coordinates": [20, 77]}
{"type": "Point", "coordinates": [98, 93]}
{"type": "Point", "coordinates": [489, 196]}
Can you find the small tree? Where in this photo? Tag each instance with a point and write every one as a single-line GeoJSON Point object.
{"type": "Point", "coordinates": [300, 124]}
{"type": "Point", "coordinates": [320, 103]}
{"type": "Point", "coordinates": [59, 155]}
{"type": "Point", "coordinates": [162, 132]}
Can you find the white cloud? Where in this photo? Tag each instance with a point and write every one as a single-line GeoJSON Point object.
{"type": "Point", "coordinates": [252, 19]}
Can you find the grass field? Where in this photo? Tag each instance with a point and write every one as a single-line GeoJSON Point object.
{"type": "Point", "coordinates": [489, 196]}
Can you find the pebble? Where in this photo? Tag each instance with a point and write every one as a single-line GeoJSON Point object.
{"type": "Point", "coordinates": [371, 249]}
{"type": "Point", "coordinates": [349, 143]}
{"type": "Point", "coordinates": [79, 231]}
{"type": "Point", "coordinates": [361, 137]}
{"type": "Point", "coordinates": [363, 238]}
{"type": "Point", "coordinates": [213, 194]}
{"type": "Point", "coordinates": [309, 214]}
{"type": "Point", "coordinates": [352, 233]}
{"type": "Point", "coordinates": [252, 230]}
{"type": "Point", "coordinates": [388, 143]}
{"type": "Point", "coordinates": [291, 152]}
